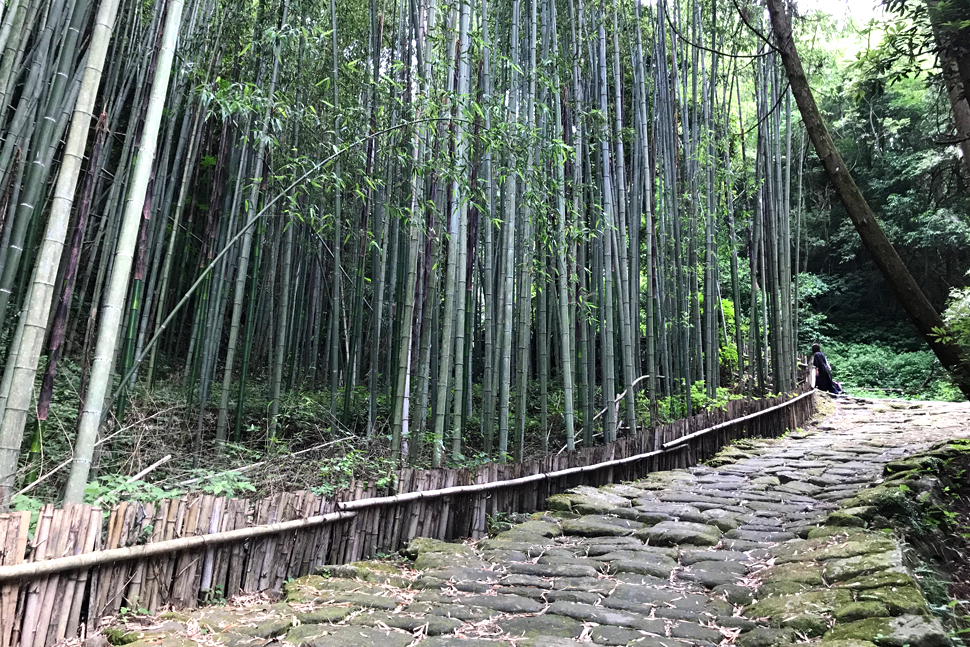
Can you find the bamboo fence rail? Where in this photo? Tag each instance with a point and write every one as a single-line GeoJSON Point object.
{"type": "Point", "coordinates": [82, 565]}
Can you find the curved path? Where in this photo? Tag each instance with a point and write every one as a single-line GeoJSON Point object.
{"type": "Point", "coordinates": [727, 553]}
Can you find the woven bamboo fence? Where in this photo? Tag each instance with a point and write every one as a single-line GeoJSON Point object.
{"type": "Point", "coordinates": [83, 565]}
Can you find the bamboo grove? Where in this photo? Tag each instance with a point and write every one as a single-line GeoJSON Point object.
{"type": "Point", "coordinates": [467, 228]}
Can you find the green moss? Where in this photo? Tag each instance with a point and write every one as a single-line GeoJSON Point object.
{"type": "Point", "coordinates": [777, 608]}
{"type": "Point", "coordinates": [914, 631]}
{"type": "Point", "coordinates": [581, 503]}
{"type": "Point", "coordinates": [541, 528]}
{"type": "Point", "coordinates": [840, 570]}
{"type": "Point", "coordinates": [370, 571]}
{"type": "Point", "coordinates": [844, 518]}
{"type": "Point", "coordinates": [899, 477]}
{"type": "Point", "coordinates": [303, 589]}
{"type": "Point", "coordinates": [420, 545]}
{"type": "Point", "coordinates": [783, 587]}
{"type": "Point", "coordinates": [118, 636]}
{"type": "Point", "coordinates": [379, 567]}
{"type": "Point", "coordinates": [923, 463]}
{"type": "Point", "coordinates": [870, 629]}
{"type": "Point", "coordinates": [877, 496]}
{"type": "Point", "coordinates": [860, 611]}
{"type": "Point", "coordinates": [431, 561]}
{"type": "Point", "coordinates": [846, 643]}
{"type": "Point", "coordinates": [879, 580]}
{"type": "Point", "coordinates": [789, 579]}
{"type": "Point", "coordinates": [177, 616]}
{"type": "Point", "coordinates": [904, 600]}
{"type": "Point", "coordinates": [164, 641]}
{"type": "Point", "coordinates": [809, 624]}
{"type": "Point", "coordinates": [824, 532]}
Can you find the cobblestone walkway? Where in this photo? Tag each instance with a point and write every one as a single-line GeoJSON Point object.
{"type": "Point", "coordinates": [764, 546]}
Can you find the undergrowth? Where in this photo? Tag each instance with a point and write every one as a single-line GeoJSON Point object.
{"type": "Point", "coordinates": [926, 499]}
{"type": "Point", "coordinates": [877, 370]}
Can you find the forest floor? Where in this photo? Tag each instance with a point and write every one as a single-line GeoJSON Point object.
{"type": "Point", "coordinates": [772, 542]}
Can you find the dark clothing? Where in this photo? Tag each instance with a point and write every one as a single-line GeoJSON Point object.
{"type": "Point", "coordinates": [823, 379]}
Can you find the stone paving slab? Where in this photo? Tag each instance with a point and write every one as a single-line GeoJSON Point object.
{"type": "Point", "coordinates": [765, 545]}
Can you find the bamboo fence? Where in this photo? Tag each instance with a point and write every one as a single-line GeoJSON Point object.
{"type": "Point", "coordinates": [82, 565]}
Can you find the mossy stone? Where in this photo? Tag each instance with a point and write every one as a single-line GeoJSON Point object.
{"type": "Point", "coordinates": [117, 636]}
{"type": "Point", "coordinates": [165, 641]}
{"type": "Point", "coordinates": [232, 639]}
{"type": "Point", "coordinates": [299, 635]}
{"type": "Point", "coordinates": [676, 533]}
{"type": "Point", "coordinates": [431, 561]}
{"type": "Point", "coordinates": [523, 537]}
{"type": "Point", "coordinates": [845, 518]}
{"type": "Point", "coordinates": [420, 545]}
{"type": "Point", "coordinates": [783, 587]}
{"type": "Point", "coordinates": [269, 628]}
{"type": "Point", "coordinates": [800, 549]}
{"type": "Point", "coordinates": [874, 496]}
{"type": "Point", "coordinates": [627, 490]}
{"type": "Point", "coordinates": [809, 624]}
{"type": "Point", "coordinates": [378, 567]}
{"type": "Point", "coordinates": [377, 572]}
{"type": "Point", "coordinates": [802, 572]}
{"type": "Point", "coordinates": [825, 532]}
{"type": "Point", "coordinates": [777, 608]}
{"type": "Point", "coordinates": [359, 637]}
{"type": "Point", "coordinates": [879, 580]}
{"type": "Point", "coordinates": [602, 494]}
{"type": "Point", "coordinates": [606, 635]}
{"type": "Point", "coordinates": [435, 625]}
{"type": "Point", "coordinates": [820, 549]}
{"type": "Point", "coordinates": [177, 616]}
{"type": "Point", "coordinates": [859, 545]}
{"type": "Point", "coordinates": [766, 637]}
{"type": "Point", "coordinates": [219, 619]}
{"type": "Point", "coordinates": [949, 449]}
{"type": "Point", "coordinates": [902, 600]}
{"type": "Point", "coordinates": [325, 614]}
{"type": "Point", "coordinates": [536, 527]}
{"type": "Point", "coordinates": [899, 477]}
{"type": "Point", "coordinates": [599, 526]}
{"type": "Point", "coordinates": [924, 463]}
{"type": "Point", "coordinates": [839, 570]}
{"type": "Point", "coordinates": [914, 631]}
{"type": "Point", "coordinates": [766, 480]}
{"type": "Point", "coordinates": [307, 588]}
{"type": "Point", "coordinates": [722, 519]}
{"type": "Point", "coordinates": [735, 594]}
{"type": "Point", "coordinates": [544, 625]}
{"type": "Point", "coordinates": [367, 601]}
{"type": "Point", "coordinates": [315, 581]}
{"type": "Point", "coordinates": [846, 643]}
{"type": "Point", "coordinates": [860, 611]}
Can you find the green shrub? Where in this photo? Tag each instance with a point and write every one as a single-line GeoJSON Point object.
{"type": "Point", "coordinates": [957, 317]}
{"type": "Point", "coordinates": [674, 407]}
{"type": "Point", "coordinates": [914, 374]}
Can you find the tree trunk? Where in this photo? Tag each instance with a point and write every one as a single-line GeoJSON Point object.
{"type": "Point", "coordinates": [917, 306]}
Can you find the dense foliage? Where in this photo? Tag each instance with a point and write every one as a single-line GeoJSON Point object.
{"type": "Point", "coordinates": [888, 109]}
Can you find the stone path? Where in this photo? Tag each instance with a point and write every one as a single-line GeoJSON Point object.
{"type": "Point", "coordinates": [766, 545]}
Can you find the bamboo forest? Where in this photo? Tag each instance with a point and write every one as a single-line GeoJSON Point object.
{"type": "Point", "coordinates": [289, 243]}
